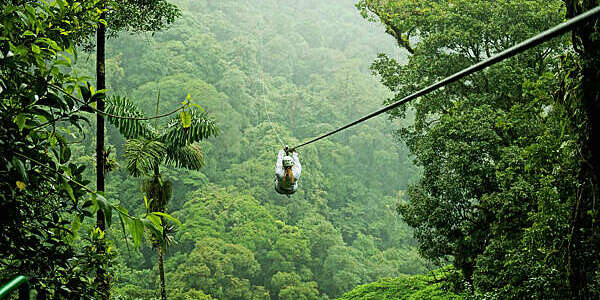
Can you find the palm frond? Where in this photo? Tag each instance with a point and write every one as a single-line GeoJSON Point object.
{"type": "Point", "coordinates": [203, 126]}
{"type": "Point", "coordinates": [129, 128]}
{"type": "Point", "coordinates": [169, 232]}
{"type": "Point", "coordinates": [142, 155]}
{"type": "Point", "coordinates": [189, 157]}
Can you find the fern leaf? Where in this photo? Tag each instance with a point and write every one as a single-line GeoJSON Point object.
{"type": "Point", "coordinates": [202, 126]}
{"type": "Point", "coordinates": [129, 128]}
{"type": "Point", "coordinates": [142, 155]}
{"type": "Point", "coordinates": [189, 157]}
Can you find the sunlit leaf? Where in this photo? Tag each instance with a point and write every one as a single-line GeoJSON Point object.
{"type": "Point", "coordinates": [186, 119]}
{"type": "Point", "coordinates": [21, 185]}
{"type": "Point", "coordinates": [169, 217]}
{"type": "Point", "coordinates": [67, 187]}
{"type": "Point", "coordinates": [35, 48]}
{"type": "Point", "coordinates": [20, 120]}
{"type": "Point", "coordinates": [155, 220]}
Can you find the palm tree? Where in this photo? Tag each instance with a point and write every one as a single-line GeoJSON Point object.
{"type": "Point", "coordinates": [147, 148]}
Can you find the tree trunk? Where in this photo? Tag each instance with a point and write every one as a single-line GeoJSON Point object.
{"type": "Point", "coordinates": [161, 270]}
{"type": "Point", "coordinates": [159, 248]}
{"type": "Point", "coordinates": [101, 276]}
{"type": "Point", "coordinates": [583, 256]}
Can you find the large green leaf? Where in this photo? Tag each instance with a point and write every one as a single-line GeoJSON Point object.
{"type": "Point", "coordinates": [155, 230]}
{"type": "Point", "coordinates": [18, 165]}
{"type": "Point", "coordinates": [142, 155]}
{"type": "Point", "coordinates": [168, 217]}
{"type": "Point", "coordinates": [136, 229]}
{"type": "Point", "coordinates": [102, 204]}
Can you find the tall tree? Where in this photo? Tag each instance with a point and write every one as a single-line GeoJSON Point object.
{"type": "Point", "coordinates": [102, 276]}
{"type": "Point", "coordinates": [133, 16]}
{"type": "Point", "coordinates": [147, 148]}
{"type": "Point", "coordinates": [584, 257]}
{"type": "Point", "coordinates": [36, 109]}
{"type": "Point", "coordinates": [457, 135]}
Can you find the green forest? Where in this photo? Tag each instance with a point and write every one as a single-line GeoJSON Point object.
{"type": "Point", "coordinates": [139, 142]}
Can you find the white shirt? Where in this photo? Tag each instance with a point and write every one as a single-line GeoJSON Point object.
{"type": "Point", "coordinates": [281, 187]}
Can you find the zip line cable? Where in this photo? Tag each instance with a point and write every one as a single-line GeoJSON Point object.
{"type": "Point", "coordinates": [95, 110]}
{"type": "Point", "coordinates": [260, 77]}
{"type": "Point", "coordinates": [264, 97]}
{"type": "Point", "coordinates": [510, 52]}
{"type": "Point", "coordinates": [60, 89]}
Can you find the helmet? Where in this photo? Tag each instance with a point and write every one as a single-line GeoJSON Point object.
{"type": "Point", "coordinates": [287, 161]}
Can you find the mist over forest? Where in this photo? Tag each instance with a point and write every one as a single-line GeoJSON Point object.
{"type": "Point", "coordinates": [139, 142]}
{"type": "Point", "coordinates": [278, 71]}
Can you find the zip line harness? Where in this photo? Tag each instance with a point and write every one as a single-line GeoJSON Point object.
{"type": "Point", "coordinates": [287, 172]}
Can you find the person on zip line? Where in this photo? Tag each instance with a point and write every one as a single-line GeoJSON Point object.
{"type": "Point", "coordinates": [287, 171]}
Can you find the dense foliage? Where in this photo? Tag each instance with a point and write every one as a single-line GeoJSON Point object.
{"type": "Point", "coordinates": [434, 286]}
{"type": "Point", "coordinates": [496, 174]}
{"type": "Point", "coordinates": [43, 197]}
{"type": "Point", "coordinates": [262, 244]}
{"type": "Point", "coordinates": [582, 96]}
{"type": "Point", "coordinates": [502, 188]}
{"type": "Point", "coordinates": [44, 107]}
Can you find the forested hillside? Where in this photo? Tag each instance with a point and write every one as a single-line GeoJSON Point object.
{"type": "Point", "coordinates": [266, 70]}
{"type": "Point", "coordinates": [139, 138]}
